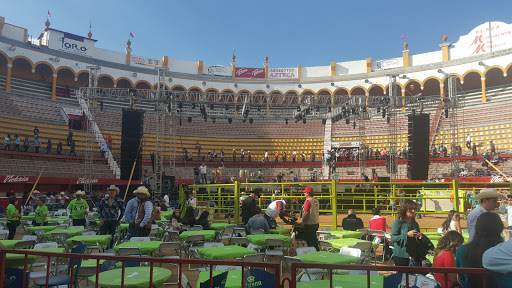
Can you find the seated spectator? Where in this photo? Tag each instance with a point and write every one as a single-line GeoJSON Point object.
{"type": "Point", "coordinates": [7, 141]}
{"type": "Point", "coordinates": [49, 147]}
{"type": "Point", "coordinates": [59, 148]}
{"type": "Point", "coordinates": [175, 219]}
{"type": "Point", "coordinates": [444, 256]}
{"type": "Point", "coordinates": [189, 218]}
{"type": "Point", "coordinates": [203, 220]}
{"type": "Point", "coordinates": [257, 222]}
{"type": "Point", "coordinates": [352, 222]}
{"type": "Point", "coordinates": [488, 231]}
{"type": "Point", "coordinates": [103, 150]}
{"type": "Point", "coordinates": [377, 222]}
{"type": "Point", "coordinates": [452, 223]}
{"type": "Point", "coordinates": [155, 214]}
{"type": "Point", "coordinates": [37, 144]}
{"type": "Point", "coordinates": [497, 259]}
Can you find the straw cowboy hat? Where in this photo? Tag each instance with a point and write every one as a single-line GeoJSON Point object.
{"type": "Point", "coordinates": [79, 192]}
{"type": "Point", "coordinates": [488, 193]}
{"type": "Point", "coordinates": [62, 193]}
{"type": "Point", "coordinates": [35, 192]}
{"type": "Point", "coordinates": [113, 187]}
{"type": "Point", "coordinates": [142, 190]}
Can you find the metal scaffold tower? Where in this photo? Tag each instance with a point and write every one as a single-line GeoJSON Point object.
{"type": "Point", "coordinates": [363, 117]}
{"type": "Point", "coordinates": [91, 142]}
{"type": "Point", "coordinates": [393, 109]}
{"type": "Point", "coordinates": [451, 104]}
{"type": "Point", "coordinates": [160, 126]}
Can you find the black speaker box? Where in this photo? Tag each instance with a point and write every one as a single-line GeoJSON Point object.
{"type": "Point", "coordinates": [131, 148]}
{"type": "Point", "coordinates": [418, 154]}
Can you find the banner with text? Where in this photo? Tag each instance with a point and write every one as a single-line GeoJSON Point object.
{"type": "Point", "coordinates": [145, 61]}
{"type": "Point", "coordinates": [249, 72]}
{"type": "Point", "coordinates": [282, 73]}
{"type": "Point", "coordinates": [217, 70]}
{"type": "Point", "coordinates": [479, 40]}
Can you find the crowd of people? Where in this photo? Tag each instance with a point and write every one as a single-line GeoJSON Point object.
{"type": "Point", "coordinates": [16, 144]}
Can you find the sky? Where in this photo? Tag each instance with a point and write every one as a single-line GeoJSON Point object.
{"type": "Point", "coordinates": [290, 33]}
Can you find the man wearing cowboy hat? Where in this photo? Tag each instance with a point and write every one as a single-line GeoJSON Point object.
{"type": "Point", "coordinates": [110, 211]}
{"type": "Point", "coordinates": [138, 213]}
{"type": "Point", "coordinates": [488, 202]}
{"type": "Point", "coordinates": [77, 209]}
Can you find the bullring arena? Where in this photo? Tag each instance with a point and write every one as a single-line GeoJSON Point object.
{"type": "Point", "coordinates": [360, 133]}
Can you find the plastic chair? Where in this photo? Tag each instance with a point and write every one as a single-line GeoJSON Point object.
{"type": "Point", "coordinates": [350, 251]}
{"type": "Point", "coordinates": [311, 273]}
{"type": "Point", "coordinates": [325, 246]}
{"type": "Point", "coordinates": [213, 244]}
{"type": "Point", "coordinates": [240, 241]}
{"type": "Point", "coordinates": [304, 250]}
{"type": "Point", "coordinates": [29, 237]}
{"type": "Point", "coordinates": [129, 251]}
{"type": "Point", "coordinates": [61, 226]}
{"type": "Point", "coordinates": [277, 251]}
{"type": "Point", "coordinates": [138, 239]}
{"type": "Point", "coordinates": [257, 231]}
{"type": "Point", "coordinates": [196, 228]}
{"type": "Point", "coordinates": [59, 280]}
{"type": "Point", "coordinates": [89, 233]}
{"type": "Point", "coordinates": [175, 247]}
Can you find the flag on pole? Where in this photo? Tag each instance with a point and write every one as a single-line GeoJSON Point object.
{"type": "Point", "coordinates": [403, 36]}
{"type": "Point", "coordinates": [49, 13]}
{"type": "Point", "coordinates": [131, 35]}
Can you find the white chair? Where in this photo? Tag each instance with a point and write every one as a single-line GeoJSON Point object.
{"type": "Point", "coordinates": [363, 272]}
{"type": "Point", "coordinates": [322, 235]}
{"type": "Point", "coordinates": [239, 232]}
{"type": "Point", "coordinates": [213, 244]}
{"type": "Point", "coordinates": [226, 268]}
{"type": "Point", "coordinates": [325, 246]}
{"type": "Point", "coordinates": [184, 281]}
{"type": "Point", "coordinates": [89, 233]}
{"type": "Point", "coordinates": [174, 247]}
{"type": "Point", "coordinates": [61, 226]}
{"type": "Point", "coordinates": [326, 229]}
{"type": "Point", "coordinates": [240, 241]}
{"type": "Point", "coordinates": [350, 251]}
{"type": "Point", "coordinates": [257, 231]}
{"type": "Point", "coordinates": [129, 251]}
{"type": "Point", "coordinates": [27, 244]}
{"type": "Point", "coordinates": [29, 237]}
{"type": "Point", "coordinates": [77, 227]}
{"type": "Point", "coordinates": [277, 250]}
{"type": "Point", "coordinates": [305, 250]}
{"type": "Point", "coordinates": [311, 273]}
{"type": "Point", "coordinates": [226, 233]}
{"type": "Point", "coordinates": [139, 239]}
{"type": "Point", "coordinates": [4, 234]}
{"type": "Point", "coordinates": [196, 228]}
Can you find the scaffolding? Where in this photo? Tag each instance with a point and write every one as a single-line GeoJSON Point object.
{"type": "Point", "coordinates": [452, 104]}
{"type": "Point", "coordinates": [90, 142]}
{"type": "Point", "coordinates": [393, 109]}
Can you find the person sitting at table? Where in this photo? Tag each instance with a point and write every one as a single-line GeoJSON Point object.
{"type": "Point", "coordinates": [444, 256]}
{"type": "Point", "coordinates": [138, 213]}
{"type": "Point", "coordinates": [452, 223]}
{"type": "Point", "coordinates": [110, 212]}
{"type": "Point", "coordinates": [352, 222]}
{"type": "Point", "coordinates": [249, 206]}
{"type": "Point", "coordinates": [488, 229]}
{"type": "Point", "coordinates": [77, 209]}
{"type": "Point", "coordinates": [13, 217]}
{"type": "Point", "coordinates": [41, 212]}
{"type": "Point", "coordinates": [257, 222]}
{"type": "Point", "coordinates": [175, 220]}
{"type": "Point", "coordinates": [277, 208]}
{"type": "Point", "coordinates": [203, 220]}
{"type": "Point", "coordinates": [404, 228]}
{"type": "Point", "coordinates": [189, 218]}
{"type": "Point", "coordinates": [155, 214]}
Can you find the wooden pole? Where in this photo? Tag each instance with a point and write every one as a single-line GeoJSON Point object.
{"type": "Point", "coordinates": [508, 179]}
{"type": "Point", "coordinates": [130, 180]}
{"type": "Point", "coordinates": [34, 187]}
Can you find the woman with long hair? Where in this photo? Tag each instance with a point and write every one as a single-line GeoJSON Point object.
{"type": "Point", "coordinates": [203, 220]}
{"type": "Point", "coordinates": [189, 218]}
{"type": "Point", "coordinates": [488, 231]}
{"type": "Point", "coordinates": [452, 222]}
{"type": "Point", "coordinates": [403, 228]}
{"type": "Point", "coordinates": [175, 219]}
{"type": "Point", "coordinates": [444, 256]}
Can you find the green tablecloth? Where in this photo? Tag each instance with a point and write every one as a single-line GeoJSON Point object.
{"type": "Point", "coordinates": [220, 226]}
{"type": "Point", "coordinates": [56, 220]}
{"type": "Point", "coordinates": [146, 247]}
{"type": "Point", "coordinates": [9, 244]}
{"type": "Point", "coordinates": [167, 213]}
{"type": "Point", "coordinates": [234, 279]}
{"type": "Point", "coordinates": [91, 240]}
{"type": "Point", "coordinates": [345, 233]}
{"type": "Point", "coordinates": [133, 277]}
{"type": "Point", "coordinates": [435, 242]}
{"type": "Point", "coordinates": [70, 232]}
{"type": "Point", "coordinates": [328, 258]}
{"type": "Point", "coordinates": [225, 252]}
{"type": "Point", "coordinates": [91, 262]}
{"type": "Point", "coordinates": [345, 281]}
{"type": "Point", "coordinates": [17, 260]}
{"type": "Point", "coordinates": [122, 226]}
{"type": "Point", "coordinates": [348, 242]}
{"type": "Point", "coordinates": [260, 239]}
{"type": "Point", "coordinates": [280, 230]}
{"type": "Point", "coordinates": [44, 228]}
{"type": "Point", "coordinates": [208, 234]}
{"type": "Point", "coordinates": [28, 217]}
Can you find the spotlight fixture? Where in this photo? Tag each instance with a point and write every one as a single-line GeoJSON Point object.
{"type": "Point", "coordinates": [445, 113]}
{"type": "Point", "coordinates": [251, 120]}
{"type": "Point", "coordinates": [170, 79]}
{"type": "Point", "coordinates": [366, 81]}
{"type": "Point", "coordinates": [354, 124]}
{"type": "Point", "coordinates": [268, 86]}
{"type": "Point", "coordinates": [230, 120]}
{"type": "Point", "coordinates": [204, 83]}
{"type": "Point", "coordinates": [12, 48]}
{"type": "Point", "coordinates": [347, 121]}
{"type": "Point", "coordinates": [304, 121]}
{"type": "Point", "coordinates": [236, 85]}
{"type": "Point", "coordinates": [189, 119]}
{"type": "Point", "coordinates": [481, 63]}
{"type": "Point", "coordinates": [332, 83]}
{"type": "Point", "coordinates": [134, 74]}
{"type": "Point", "coordinates": [388, 119]}
{"type": "Point", "coordinates": [300, 85]}
{"type": "Point", "coordinates": [298, 108]}
{"type": "Point", "coordinates": [286, 121]}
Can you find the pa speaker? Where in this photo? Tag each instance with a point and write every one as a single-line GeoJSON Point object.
{"type": "Point", "coordinates": [418, 154]}
{"type": "Point", "coordinates": [131, 148]}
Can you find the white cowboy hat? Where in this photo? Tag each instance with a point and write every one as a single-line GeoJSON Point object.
{"type": "Point", "coordinates": [488, 193]}
{"type": "Point", "coordinates": [113, 187]}
{"type": "Point", "coordinates": [80, 192]}
{"type": "Point", "coordinates": [142, 190]}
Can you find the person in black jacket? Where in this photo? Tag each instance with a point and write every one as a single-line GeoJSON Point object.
{"type": "Point", "coordinates": [352, 222]}
{"type": "Point", "coordinates": [249, 206]}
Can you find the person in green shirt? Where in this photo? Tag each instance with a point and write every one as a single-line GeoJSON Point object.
{"type": "Point", "coordinates": [41, 212]}
{"type": "Point", "coordinates": [78, 208]}
{"type": "Point", "coordinates": [13, 217]}
{"type": "Point", "coordinates": [403, 229]}
{"type": "Point", "coordinates": [419, 201]}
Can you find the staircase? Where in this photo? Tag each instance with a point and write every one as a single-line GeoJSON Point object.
{"type": "Point", "coordinates": [327, 147]}
{"type": "Point", "coordinates": [112, 164]}
{"type": "Point", "coordinates": [435, 126]}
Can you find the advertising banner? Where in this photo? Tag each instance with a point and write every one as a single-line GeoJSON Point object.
{"type": "Point", "coordinates": [217, 71]}
{"type": "Point", "coordinates": [282, 73]}
{"type": "Point", "coordinates": [249, 72]}
{"type": "Point", "coordinates": [479, 40]}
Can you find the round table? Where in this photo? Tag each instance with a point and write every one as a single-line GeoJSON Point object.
{"type": "Point", "coordinates": [208, 234]}
{"type": "Point", "coordinates": [234, 279]}
{"type": "Point", "coordinates": [36, 228]}
{"type": "Point", "coordinates": [133, 277]}
{"type": "Point", "coordinates": [220, 226]}
{"type": "Point", "coordinates": [345, 233]}
{"type": "Point", "coordinates": [146, 247]}
{"type": "Point", "coordinates": [70, 232]}
{"type": "Point", "coordinates": [280, 230]}
{"type": "Point", "coordinates": [348, 242]}
{"type": "Point", "coordinates": [91, 240]}
{"type": "Point", "coordinates": [345, 281]}
{"type": "Point", "coordinates": [260, 239]}
{"type": "Point", "coordinates": [325, 257]}
{"type": "Point", "coordinates": [225, 252]}
{"type": "Point", "coordinates": [17, 260]}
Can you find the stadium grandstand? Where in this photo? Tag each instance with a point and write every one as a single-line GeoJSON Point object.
{"type": "Point", "coordinates": [77, 117]}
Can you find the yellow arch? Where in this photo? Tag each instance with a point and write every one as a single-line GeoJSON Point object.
{"type": "Point", "coordinates": [259, 91]}
{"type": "Point", "coordinates": [412, 81]}
{"type": "Point", "coordinates": [80, 72]}
{"type": "Point", "coordinates": [195, 87]}
{"type": "Point", "coordinates": [44, 62]}
{"type": "Point", "coordinates": [430, 78]}
{"type": "Point", "coordinates": [508, 66]}
{"type": "Point", "coordinates": [108, 76]}
{"type": "Point", "coordinates": [399, 84]}
{"type": "Point", "coordinates": [123, 78]}
{"type": "Point", "coordinates": [178, 86]}
{"type": "Point", "coordinates": [67, 68]}
{"type": "Point", "coordinates": [227, 90]}
{"type": "Point", "coordinates": [494, 66]}
{"type": "Point", "coordinates": [292, 91]}
{"type": "Point", "coordinates": [470, 71]}
{"type": "Point", "coordinates": [25, 58]}
{"type": "Point", "coordinates": [376, 85]}
{"type": "Point", "coordinates": [354, 88]}
{"type": "Point", "coordinates": [211, 89]}
{"type": "Point", "coordinates": [452, 74]}
{"type": "Point", "coordinates": [276, 92]}
{"type": "Point", "coordinates": [340, 89]}
{"type": "Point", "coordinates": [325, 89]}
{"type": "Point", "coordinates": [243, 91]}
{"type": "Point", "coordinates": [144, 81]}
{"type": "Point", "coordinates": [6, 57]}
{"type": "Point", "coordinates": [308, 90]}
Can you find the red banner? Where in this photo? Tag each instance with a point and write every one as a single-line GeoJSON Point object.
{"type": "Point", "coordinates": [241, 72]}
{"type": "Point", "coordinates": [16, 179]}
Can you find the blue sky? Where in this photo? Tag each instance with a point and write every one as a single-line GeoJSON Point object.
{"type": "Point", "coordinates": [290, 33]}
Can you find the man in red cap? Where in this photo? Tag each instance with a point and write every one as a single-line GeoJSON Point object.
{"type": "Point", "coordinates": [310, 218]}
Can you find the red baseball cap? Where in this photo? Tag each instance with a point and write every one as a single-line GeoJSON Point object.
{"type": "Point", "coordinates": [308, 190]}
